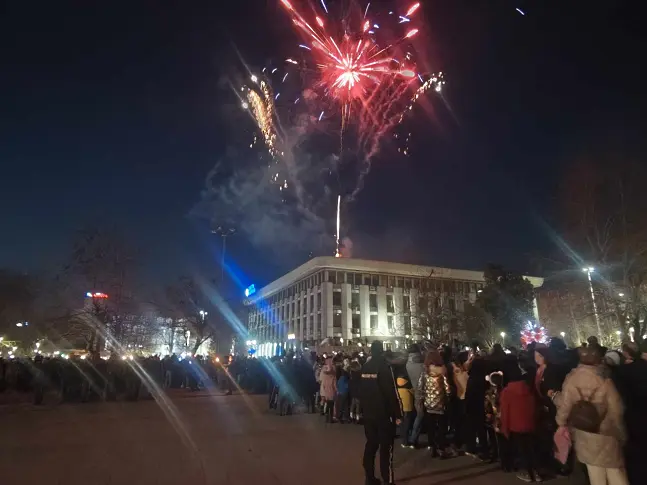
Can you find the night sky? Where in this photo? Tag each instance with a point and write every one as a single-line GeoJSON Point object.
{"type": "Point", "coordinates": [115, 114]}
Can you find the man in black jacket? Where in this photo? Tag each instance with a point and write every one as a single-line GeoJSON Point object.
{"type": "Point", "coordinates": [382, 410]}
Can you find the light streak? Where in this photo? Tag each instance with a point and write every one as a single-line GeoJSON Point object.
{"type": "Point", "coordinates": [520, 11]}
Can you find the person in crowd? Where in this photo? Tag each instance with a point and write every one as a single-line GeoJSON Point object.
{"type": "Point", "coordinates": [553, 365]}
{"type": "Point", "coordinates": [493, 413]}
{"type": "Point", "coordinates": [590, 404]}
{"type": "Point", "coordinates": [405, 391]}
{"type": "Point", "coordinates": [415, 367]}
{"type": "Point", "coordinates": [518, 403]}
{"type": "Point", "coordinates": [382, 412]}
{"type": "Point", "coordinates": [355, 380]}
{"type": "Point", "coordinates": [475, 406]}
{"type": "Point", "coordinates": [328, 390]}
{"type": "Point", "coordinates": [632, 384]}
{"type": "Point", "coordinates": [343, 396]}
{"type": "Point", "coordinates": [458, 400]}
{"type": "Point", "coordinates": [436, 394]}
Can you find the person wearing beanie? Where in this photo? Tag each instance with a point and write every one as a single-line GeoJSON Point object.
{"type": "Point", "coordinates": [382, 412]}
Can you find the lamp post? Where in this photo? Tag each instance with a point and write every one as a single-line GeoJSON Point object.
{"type": "Point", "coordinates": [588, 272]}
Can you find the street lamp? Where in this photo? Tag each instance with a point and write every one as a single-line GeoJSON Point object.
{"type": "Point", "coordinates": [563, 334]}
{"type": "Point", "coordinates": [503, 337]}
{"type": "Point", "coordinates": [588, 270]}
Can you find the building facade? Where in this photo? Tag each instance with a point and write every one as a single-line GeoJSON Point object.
{"type": "Point", "coordinates": [356, 301]}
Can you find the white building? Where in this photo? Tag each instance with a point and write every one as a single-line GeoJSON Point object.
{"type": "Point", "coordinates": [353, 300]}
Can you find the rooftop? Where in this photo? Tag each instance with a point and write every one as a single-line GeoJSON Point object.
{"type": "Point", "coordinates": [373, 267]}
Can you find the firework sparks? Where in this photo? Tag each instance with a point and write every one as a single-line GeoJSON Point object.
{"type": "Point", "coordinates": [353, 65]}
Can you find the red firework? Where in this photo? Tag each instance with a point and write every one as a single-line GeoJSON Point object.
{"type": "Point", "coordinates": [354, 65]}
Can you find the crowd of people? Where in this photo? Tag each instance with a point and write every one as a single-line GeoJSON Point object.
{"type": "Point", "coordinates": [543, 411]}
{"type": "Point", "coordinates": [88, 377]}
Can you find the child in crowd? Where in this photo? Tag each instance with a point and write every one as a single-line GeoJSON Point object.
{"type": "Point", "coordinates": [405, 391]}
{"type": "Point", "coordinates": [343, 396]}
{"type": "Point", "coordinates": [518, 423]}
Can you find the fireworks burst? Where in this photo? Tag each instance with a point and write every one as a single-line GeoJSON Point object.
{"type": "Point", "coordinates": [353, 66]}
{"type": "Point", "coordinates": [260, 102]}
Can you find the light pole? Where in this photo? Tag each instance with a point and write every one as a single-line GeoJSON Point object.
{"type": "Point", "coordinates": [223, 232]}
{"type": "Point", "coordinates": [588, 272]}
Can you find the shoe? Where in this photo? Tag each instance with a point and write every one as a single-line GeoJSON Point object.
{"type": "Point", "coordinates": [471, 455]}
{"type": "Point", "coordinates": [524, 477]}
{"type": "Point", "coordinates": [538, 478]}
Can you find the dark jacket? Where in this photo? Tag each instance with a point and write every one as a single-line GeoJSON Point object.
{"type": "Point", "coordinates": [355, 379]}
{"type": "Point", "coordinates": [377, 391]}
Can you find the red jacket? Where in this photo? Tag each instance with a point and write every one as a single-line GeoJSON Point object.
{"type": "Point", "coordinates": [518, 408]}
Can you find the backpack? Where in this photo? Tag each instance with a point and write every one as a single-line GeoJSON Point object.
{"type": "Point", "coordinates": [584, 415]}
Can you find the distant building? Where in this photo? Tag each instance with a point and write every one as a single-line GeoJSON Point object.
{"type": "Point", "coordinates": [354, 301]}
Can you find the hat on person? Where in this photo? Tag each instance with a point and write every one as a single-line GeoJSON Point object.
{"type": "Point", "coordinates": [612, 358]}
{"type": "Point", "coordinates": [377, 348]}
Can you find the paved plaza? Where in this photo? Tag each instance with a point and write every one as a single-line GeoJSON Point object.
{"type": "Point", "coordinates": [200, 439]}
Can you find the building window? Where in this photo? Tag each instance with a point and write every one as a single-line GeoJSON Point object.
{"type": "Point", "coordinates": [304, 305]}
{"type": "Point", "coordinates": [389, 321]}
{"type": "Point", "coordinates": [336, 322]}
{"type": "Point", "coordinates": [319, 301]}
{"type": "Point", "coordinates": [398, 282]}
{"type": "Point", "coordinates": [373, 322]}
{"type": "Point", "coordinates": [319, 329]}
{"type": "Point", "coordinates": [423, 306]}
{"type": "Point", "coordinates": [372, 301]}
{"type": "Point", "coordinates": [452, 305]}
{"type": "Point", "coordinates": [382, 280]}
{"type": "Point", "coordinates": [407, 283]}
{"type": "Point", "coordinates": [390, 281]}
{"type": "Point", "coordinates": [332, 277]}
{"type": "Point", "coordinates": [341, 277]}
{"type": "Point", "coordinates": [366, 279]}
{"type": "Point", "coordinates": [407, 325]}
{"type": "Point", "coordinates": [312, 302]}
{"type": "Point", "coordinates": [357, 322]}
{"type": "Point", "coordinates": [349, 278]}
{"type": "Point", "coordinates": [375, 280]}
{"type": "Point", "coordinates": [336, 299]}
{"type": "Point", "coordinates": [354, 301]}
{"type": "Point", "coordinates": [358, 278]}
{"type": "Point", "coordinates": [389, 303]}
{"type": "Point", "coordinates": [299, 307]}
{"type": "Point", "coordinates": [406, 303]}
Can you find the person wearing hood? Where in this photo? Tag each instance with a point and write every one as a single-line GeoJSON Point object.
{"type": "Point", "coordinates": [382, 410]}
{"type": "Point", "coordinates": [415, 367]}
{"type": "Point", "coordinates": [590, 404]}
{"type": "Point", "coordinates": [518, 403]}
{"type": "Point", "coordinates": [436, 393]}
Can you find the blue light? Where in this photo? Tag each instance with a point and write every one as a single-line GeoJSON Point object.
{"type": "Point", "coordinates": [250, 290]}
